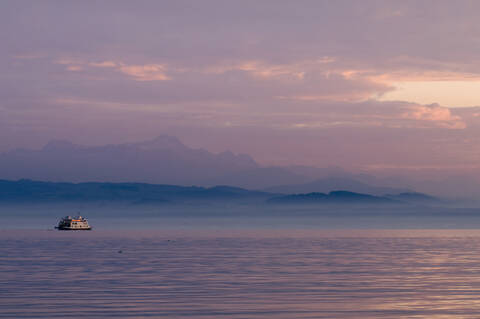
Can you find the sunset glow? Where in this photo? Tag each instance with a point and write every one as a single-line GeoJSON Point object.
{"type": "Point", "coordinates": [448, 93]}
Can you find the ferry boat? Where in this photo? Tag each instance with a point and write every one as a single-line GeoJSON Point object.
{"type": "Point", "coordinates": [73, 223]}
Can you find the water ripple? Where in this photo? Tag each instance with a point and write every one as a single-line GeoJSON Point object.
{"type": "Point", "coordinates": [133, 276]}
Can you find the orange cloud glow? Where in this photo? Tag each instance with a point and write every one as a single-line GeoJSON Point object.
{"type": "Point", "coordinates": [147, 72]}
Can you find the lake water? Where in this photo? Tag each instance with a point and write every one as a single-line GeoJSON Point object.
{"type": "Point", "coordinates": [240, 273]}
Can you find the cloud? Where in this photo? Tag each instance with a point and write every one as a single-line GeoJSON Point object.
{"type": "Point", "coordinates": [29, 56]}
{"type": "Point", "coordinates": [69, 61]}
{"type": "Point", "coordinates": [262, 69]}
{"type": "Point", "coordinates": [259, 69]}
{"type": "Point", "coordinates": [429, 113]}
{"type": "Point", "coordinates": [146, 72]}
{"type": "Point", "coordinates": [104, 64]}
{"type": "Point", "coordinates": [71, 64]}
{"type": "Point", "coordinates": [74, 68]}
{"type": "Point", "coordinates": [139, 72]}
{"type": "Point", "coordinates": [291, 114]}
{"type": "Point", "coordinates": [411, 115]}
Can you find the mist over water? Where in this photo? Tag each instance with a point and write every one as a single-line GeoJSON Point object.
{"type": "Point", "coordinates": [241, 216]}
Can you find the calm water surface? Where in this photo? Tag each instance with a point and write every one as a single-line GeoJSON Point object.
{"type": "Point", "coordinates": [240, 274]}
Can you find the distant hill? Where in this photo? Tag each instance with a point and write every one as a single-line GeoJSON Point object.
{"type": "Point", "coordinates": [137, 193]}
{"type": "Point", "coordinates": [336, 197]}
{"type": "Point", "coordinates": [329, 184]}
{"type": "Point", "coordinates": [28, 191]}
{"type": "Point", "coordinates": [414, 197]}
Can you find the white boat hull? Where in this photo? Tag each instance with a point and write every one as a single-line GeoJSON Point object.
{"type": "Point", "coordinates": [73, 223]}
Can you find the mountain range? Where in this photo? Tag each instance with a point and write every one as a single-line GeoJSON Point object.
{"type": "Point", "coordinates": [165, 160]}
{"type": "Point", "coordinates": [162, 160]}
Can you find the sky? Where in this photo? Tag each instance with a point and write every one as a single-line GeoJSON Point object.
{"type": "Point", "coordinates": [367, 85]}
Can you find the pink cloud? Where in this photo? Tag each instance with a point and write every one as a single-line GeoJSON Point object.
{"type": "Point", "coordinates": [74, 68]}
{"type": "Point", "coordinates": [146, 72]}
{"type": "Point", "coordinates": [435, 113]}
{"type": "Point", "coordinates": [104, 64]}
{"type": "Point", "coordinates": [262, 69]}
{"type": "Point", "coordinates": [139, 72]}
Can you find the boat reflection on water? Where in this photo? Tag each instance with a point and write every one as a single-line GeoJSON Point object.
{"type": "Point", "coordinates": [73, 223]}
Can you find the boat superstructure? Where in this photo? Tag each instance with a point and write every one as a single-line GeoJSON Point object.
{"type": "Point", "coordinates": [73, 223]}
